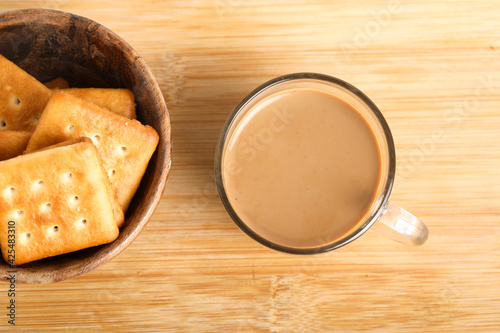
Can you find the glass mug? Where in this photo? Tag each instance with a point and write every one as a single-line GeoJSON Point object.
{"type": "Point", "coordinates": [385, 217]}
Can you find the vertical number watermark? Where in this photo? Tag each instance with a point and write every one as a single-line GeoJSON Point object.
{"type": "Point", "coordinates": [11, 258]}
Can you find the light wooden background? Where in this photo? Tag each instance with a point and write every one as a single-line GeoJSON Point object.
{"type": "Point", "coordinates": [433, 68]}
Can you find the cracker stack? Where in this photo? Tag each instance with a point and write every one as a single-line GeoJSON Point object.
{"type": "Point", "coordinates": [84, 158]}
{"type": "Point", "coordinates": [124, 145]}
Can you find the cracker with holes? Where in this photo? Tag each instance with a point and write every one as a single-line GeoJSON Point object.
{"type": "Point", "coordinates": [22, 98]}
{"type": "Point", "coordinates": [124, 145]}
{"type": "Point", "coordinates": [119, 101]}
{"type": "Point", "coordinates": [13, 143]}
{"type": "Point", "coordinates": [56, 201]}
{"type": "Point", "coordinates": [118, 212]}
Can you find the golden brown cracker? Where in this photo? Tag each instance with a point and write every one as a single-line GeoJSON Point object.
{"type": "Point", "coordinates": [124, 145]}
{"type": "Point", "coordinates": [119, 101]}
{"type": "Point", "coordinates": [57, 83]}
{"type": "Point", "coordinates": [13, 143]}
{"type": "Point", "coordinates": [118, 212]}
{"type": "Point", "coordinates": [22, 98]}
{"type": "Point", "coordinates": [53, 202]}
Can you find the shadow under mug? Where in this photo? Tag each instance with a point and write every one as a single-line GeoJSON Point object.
{"type": "Point", "coordinates": [384, 216]}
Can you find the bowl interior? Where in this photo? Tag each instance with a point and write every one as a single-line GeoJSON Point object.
{"type": "Point", "coordinates": [49, 44]}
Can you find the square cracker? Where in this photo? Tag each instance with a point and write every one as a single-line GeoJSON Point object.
{"type": "Point", "coordinates": [22, 98]}
{"type": "Point", "coordinates": [13, 143]}
{"type": "Point", "coordinates": [56, 201]}
{"type": "Point", "coordinates": [117, 210]}
{"type": "Point", "coordinates": [125, 145]}
{"type": "Point", "coordinates": [119, 101]}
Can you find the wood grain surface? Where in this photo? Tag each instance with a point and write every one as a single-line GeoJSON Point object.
{"type": "Point", "coordinates": [433, 69]}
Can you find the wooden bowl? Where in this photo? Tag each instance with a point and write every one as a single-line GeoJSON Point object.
{"type": "Point", "coordinates": [49, 44]}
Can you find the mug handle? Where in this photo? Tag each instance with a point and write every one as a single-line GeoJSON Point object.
{"type": "Point", "coordinates": [401, 226]}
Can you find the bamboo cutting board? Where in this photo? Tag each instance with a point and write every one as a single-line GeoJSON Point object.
{"type": "Point", "coordinates": [433, 69]}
